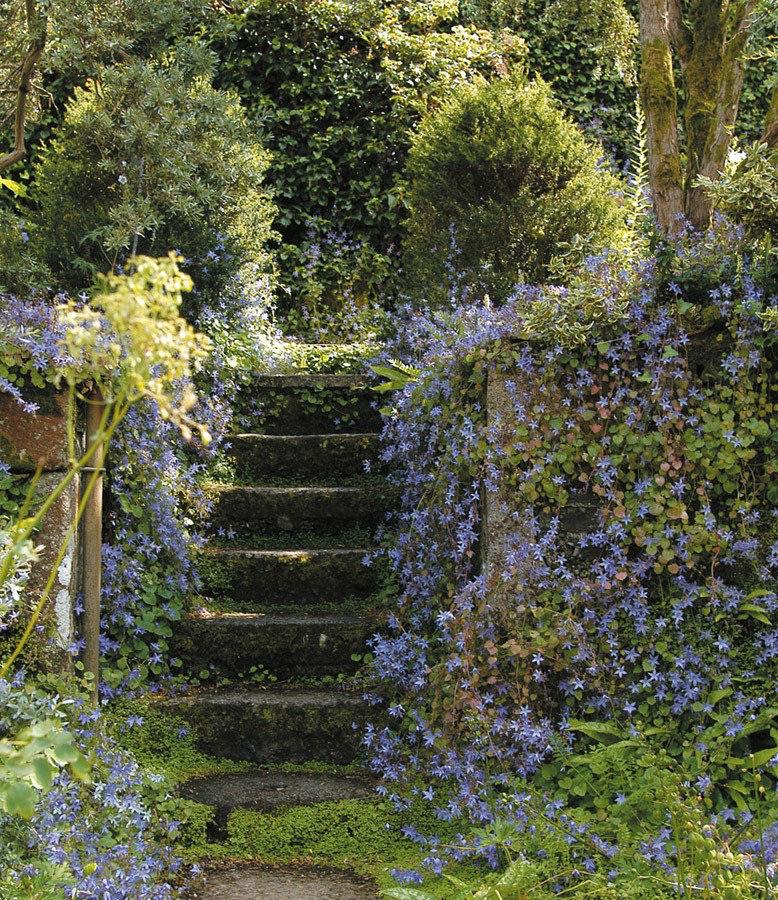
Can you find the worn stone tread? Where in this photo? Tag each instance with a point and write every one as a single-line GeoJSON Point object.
{"type": "Point", "coordinates": [288, 646]}
{"type": "Point", "coordinates": [260, 578]}
{"type": "Point", "coordinates": [299, 883]}
{"type": "Point", "coordinates": [280, 724]}
{"type": "Point", "coordinates": [269, 791]}
{"type": "Point", "coordinates": [261, 456]}
{"type": "Point", "coordinates": [273, 509]}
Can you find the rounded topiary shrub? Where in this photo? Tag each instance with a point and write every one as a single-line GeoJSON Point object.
{"type": "Point", "coordinates": [498, 183]}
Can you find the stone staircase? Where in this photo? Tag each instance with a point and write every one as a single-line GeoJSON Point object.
{"type": "Point", "coordinates": [287, 592]}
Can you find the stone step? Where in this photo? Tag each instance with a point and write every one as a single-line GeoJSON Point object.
{"type": "Point", "coordinates": [230, 644]}
{"type": "Point", "coordinates": [313, 404]}
{"type": "Point", "coordinates": [288, 509]}
{"type": "Point", "coordinates": [296, 883]}
{"type": "Point", "coordinates": [282, 724]}
{"type": "Point", "coordinates": [255, 580]}
{"type": "Point", "coordinates": [268, 791]}
{"type": "Point", "coordinates": [260, 456]}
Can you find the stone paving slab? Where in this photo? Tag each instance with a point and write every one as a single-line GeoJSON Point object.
{"type": "Point", "coordinates": [254, 883]}
{"type": "Point", "coordinates": [270, 791]}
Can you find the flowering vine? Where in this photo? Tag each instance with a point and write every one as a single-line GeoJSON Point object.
{"type": "Point", "coordinates": [622, 587]}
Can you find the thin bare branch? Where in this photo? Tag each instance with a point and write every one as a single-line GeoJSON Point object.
{"type": "Point", "coordinates": [36, 28]}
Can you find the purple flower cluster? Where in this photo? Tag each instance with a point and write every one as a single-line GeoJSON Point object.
{"type": "Point", "coordinates": [633, 578]}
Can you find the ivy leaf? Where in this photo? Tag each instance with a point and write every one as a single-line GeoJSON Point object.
{"type": "Point", "coordinates": [19, 799]}
{"type": "Point", "coordinates": [14, 187]}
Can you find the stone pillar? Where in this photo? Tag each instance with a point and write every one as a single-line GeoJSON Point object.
{"type": "Point", "coordinates": [28, 440]}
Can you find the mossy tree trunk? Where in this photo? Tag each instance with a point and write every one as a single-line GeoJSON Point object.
{"type": "Point", "coordinates": [708, 40]}
{"type": "Point", "coordinates": [660, 103]}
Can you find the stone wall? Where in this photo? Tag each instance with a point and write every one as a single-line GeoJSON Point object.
{"type": "Point", "coordinates": [501, 513]}
{"type": "Point", "coordinates": [41, 439]}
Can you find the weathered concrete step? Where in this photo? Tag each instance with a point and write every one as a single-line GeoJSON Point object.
{"type": "Point", "coordinates": [298, 883]}
{"type": "Point", "coordinates": [276, 725]}
{"type": "Point", "coordinates": [313, 404]}
{"type": "Point", "coordinates": [259, 579]}
{"type": "Point", "coordinates": [287, 646]}
{"type": "Point", "coordinates": [287, 509]}
{"type": "Point", "coordinates": [261, 456]}
{"type": "Point", "coordinates": [265, 791]}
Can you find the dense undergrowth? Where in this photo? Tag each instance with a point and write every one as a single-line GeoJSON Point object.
{"type": "Point", "coordinates": [589, 707]}
{"type": "Point", "coordinates": [598, 687]}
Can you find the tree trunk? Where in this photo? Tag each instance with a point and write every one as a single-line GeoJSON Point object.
{"type": "Point", "coordinates": [714, 84]}
{"type": "Point", "coordinates": [660, 105]}
{"type": "Point", "coordinates": [36, 28]}
{"type": "Point", "coordinates": [703, 77]}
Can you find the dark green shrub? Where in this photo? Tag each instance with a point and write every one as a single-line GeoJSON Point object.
{"type": "Point", "coordinates": [498, 182]}
{"type": "Point", "coordinates": [333, 89]}
{"type": "Point", "coordinates": [148, 159]}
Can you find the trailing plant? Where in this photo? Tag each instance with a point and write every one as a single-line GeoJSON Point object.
{"type": "Point", "coordinates": [628, 584]}
{"type": "Point", "coordinates": [106, 835]}
{"type": "Point", "coordinates": [133, 345]}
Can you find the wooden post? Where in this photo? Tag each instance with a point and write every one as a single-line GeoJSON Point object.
{"type": "Point", "coordinates": [93, 542]}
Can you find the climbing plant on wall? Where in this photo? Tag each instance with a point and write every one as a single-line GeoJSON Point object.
{"type": "Point", "coordinates": [632, 594]}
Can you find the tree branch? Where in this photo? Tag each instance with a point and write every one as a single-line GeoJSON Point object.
{"type": "Point", "coordinates": [680, 36]}
{"type": "Point", "coordinates": [660, 106]}
{"type": "Point", "coordinates": [36, 27]}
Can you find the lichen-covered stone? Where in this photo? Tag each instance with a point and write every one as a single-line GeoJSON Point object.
{"type": "Point", "coordinates": [261, 456]}
{"type": "Point", "coordinates": [28, 440]}
{"type": "Point", "coordinates": [278, 725]}
{"type": "Point", "coordinates": [254, 580]}
{"type": "Point", "coordinates": [313, 404]}
{"type": "Point", "coordinates": [287, 646]}
{"type": "Point", "coordinates": [288, 509]}
{"type": "Point", "coordinates": [267, 791]}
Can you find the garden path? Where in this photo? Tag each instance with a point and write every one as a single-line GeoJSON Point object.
{"type": "Point", "coordinates": [289, 595]}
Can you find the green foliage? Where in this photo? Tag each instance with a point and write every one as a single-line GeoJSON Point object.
{"type": "Point", "coordinates": [499, 181]}
{"type": "Point", "coordinates": [588, 54]}
{"type": "Point", "coordinates": [19, 267]}
{"type": "Point", "coordinates": [34, 747]}
{"type": "Point", "coordinates": [748, 191]}
{"type": "Point", "coordinates": [333, 89]}
{"type": "Point", "coordinates": [151, 158]}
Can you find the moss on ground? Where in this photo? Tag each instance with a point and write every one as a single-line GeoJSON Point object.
{"type": "Point", "coordinates": [363, 836]}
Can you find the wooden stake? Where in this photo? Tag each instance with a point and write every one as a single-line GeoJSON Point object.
{"type": "Point", "coordinates": [93, 542]}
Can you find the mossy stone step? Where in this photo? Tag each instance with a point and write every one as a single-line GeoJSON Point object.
{"type": "Point", "coordinates": [231, 644]}
{"type": "Point", "coordinates": [260, 579]}
{"type": "Point", "coordinates": [312, 404]}
{"type": "Point", "coordinates": [288, 509]}
{"type": "Point", "coordinates": [259, 456]}
{"type": "Point", "coordinates": [268, 791]}
{"type": "Point", "coordinates": [282, 724]}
